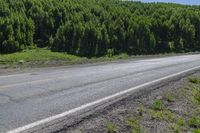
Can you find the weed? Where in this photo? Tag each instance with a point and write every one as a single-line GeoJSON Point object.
{"type": "Point", "coordinates": [196, 131]}
{"type": "Point", "coordinates": [169, 116]}
{"type": "Point", "coordinates": [194, 121]}
{"type": "Point", "coordinates": [135, 125]}
{"type": "Point", "coordinates": [194, 80]}
{"type": "Point", "coordinates": [156, 114]}
{"type": "Point", "coordinates": [194, 96]}
{"type": "Point", "coordinates": [111, 128]}
{"type": "Point", "coordinates": [163, 115]}
{"type": "Point", "coordinates": [181, 122]}
{"type": "Point", "coordinates": [172, 127]}
{"type": "Point", "coordinates": [177, 129]}
{"type": "Point", "coordinates": [169, 97]}
{"type": "Point", "coordinates": [141, 110]}
{"type": "Point", "coordinates": [157, 105]}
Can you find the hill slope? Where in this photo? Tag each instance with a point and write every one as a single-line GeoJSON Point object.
{"type": "Point", "coordinates": [98, 27]}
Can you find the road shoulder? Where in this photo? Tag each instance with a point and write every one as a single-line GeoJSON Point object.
{"type": "Point", "coordinates": [164, 109]}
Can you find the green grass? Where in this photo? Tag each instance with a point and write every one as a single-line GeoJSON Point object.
{"type": "Point", "coordinates": [192, 91]}
{"type": "Point", "coordinates": [196, 131]}
{"type": "Point", "coordinates": [169, 96]}
{"type": "Point", "coordinates": [39, 56]}
{"type": "Point", "coordinates": [162, 115]}
{"type": "Point", "coordinates": [195, 97]}
{"type": "Point", "coordinates": [194, 121]}
{"type": "Point", "coordinates": [111, 128]}
{"type": "Point", "coordinates": [156, 115]}
{"type": "Point", "coordinates": [35, 55]}
{"type": "Point", "coordinates": [181, 122]}
{"type": "Point", "coordinates": [157, 105]}
{"type": "Point", "coordinates": [134, 124]}
{"type": "Point", "coordinates": [141, 110]}
{"type": "Point", "coordinates": [194, 80]}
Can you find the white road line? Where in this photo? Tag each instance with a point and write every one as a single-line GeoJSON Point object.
{"type": "Point", "coordinates": [27, 83]}
{"type": "Point", "coordinates": [55, 117]}
{"type": "Point", "coordinates": [31, 82]}
{"type": "Point", "coordinates": [14, 75]}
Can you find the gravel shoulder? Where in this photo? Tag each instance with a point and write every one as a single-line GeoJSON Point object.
{"type": "Point", "coordinates": [173, 107]}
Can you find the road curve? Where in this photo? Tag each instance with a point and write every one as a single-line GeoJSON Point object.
{"type": "Point", "coordinates": [30, 97]}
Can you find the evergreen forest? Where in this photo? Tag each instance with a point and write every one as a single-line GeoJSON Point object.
{"type": "Point", "coordinates": [94, 28]}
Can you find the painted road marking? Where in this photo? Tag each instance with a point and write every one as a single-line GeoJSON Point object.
{"type": "Point", "coordinates": [14, 75]}
{"type": "Point", "coordinates": [28, 83]}
{"type": "Point", "coordinates": [58, 116]}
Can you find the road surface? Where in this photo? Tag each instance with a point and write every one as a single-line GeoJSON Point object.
{"type": "Point", "coordinates": [32, 99]}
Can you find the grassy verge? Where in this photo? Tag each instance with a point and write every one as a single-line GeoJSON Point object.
{"type": "Point", "coordinates": [34, 55]}
{"type": "Point", "coordinates": [44, 57]}
{"type": "Point", "coordinates": [176, 111]}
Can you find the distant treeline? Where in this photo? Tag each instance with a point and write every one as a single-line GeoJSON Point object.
{"type": "Point", "coordinates": [98, 27]}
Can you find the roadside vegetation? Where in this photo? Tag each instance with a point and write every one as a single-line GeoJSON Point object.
{"type": "Point", "coordinates": [39, 57]}
{"type": "Point", "coordinates": [33, 56]}
{"type": "Point", "coordinates": [175, 111]}
{"type": "Point", "coordinates": [44, 56]}
{"type": "Point", "coordinates": [96, 28]}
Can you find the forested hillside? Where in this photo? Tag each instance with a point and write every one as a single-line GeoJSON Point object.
{"type": "Point", "coordinates": [98, 27]}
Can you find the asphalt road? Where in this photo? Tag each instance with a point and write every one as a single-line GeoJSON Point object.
{"type": "Point", "coordinates": [29, 97]}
